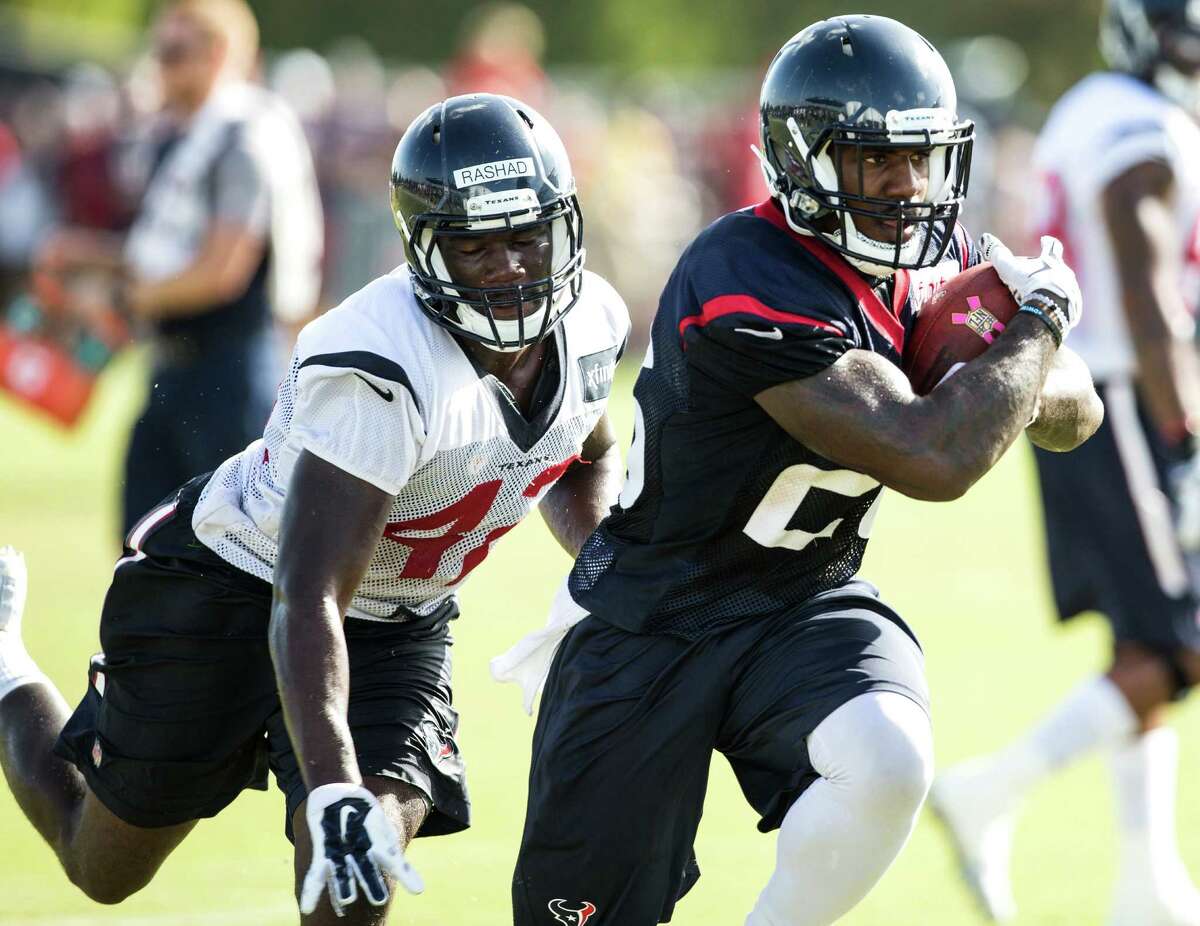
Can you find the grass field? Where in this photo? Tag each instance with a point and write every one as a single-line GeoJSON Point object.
{"type": "Point", "coordinates": [968, 576]}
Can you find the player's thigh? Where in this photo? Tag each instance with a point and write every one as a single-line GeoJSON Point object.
{"type": "Point", "coordinates": [110, 859]}
{"type": "Point", "coordinates": [405, 807]}
{"type": "Point", "coordinates": [401, 720]}
{"type": "Point", "coordinates": [620, 764]}
{"type": "Point", "coordinates": [800, 672]}
{"type": "Point", "coordinates": [171, 726]}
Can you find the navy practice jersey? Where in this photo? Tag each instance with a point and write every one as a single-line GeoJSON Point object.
{"type": "Point", "coordinates": [723, 515]}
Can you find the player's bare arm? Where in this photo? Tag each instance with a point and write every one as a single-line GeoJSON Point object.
{"type": "Point", "coordinates": [1137, 210]}
{"type": "Point", "coordinates": [580, 500]}
{"type": "Point", "coordinates": [332, 522]}
{"type": "Point", "coordinates": [861, 412]}
{"type": "Point", "coordinates": [1069, 410]}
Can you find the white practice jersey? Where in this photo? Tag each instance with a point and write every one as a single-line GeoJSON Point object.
{"type": "Point", "coordinates": [381, 391]}
{"type": "Point", "coordinates": [1104, 125]}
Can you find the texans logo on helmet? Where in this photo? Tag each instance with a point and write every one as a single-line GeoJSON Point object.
{"type": "Point", "coordinates": [571, 916]}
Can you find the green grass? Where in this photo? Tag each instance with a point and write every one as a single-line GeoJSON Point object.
{"type": "Point", "coordinates": [968, 576]}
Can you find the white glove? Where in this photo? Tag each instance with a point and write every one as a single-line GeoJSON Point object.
{"type": "Point", "coordinates": [1187, 495]}
{"type": "Point", "coordinates": [1044, 285]}
{"type": "Point", "coordinates": [353, 843]}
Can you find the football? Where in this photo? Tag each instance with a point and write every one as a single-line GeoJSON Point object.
{"type": "Point", "coordinates": [958, 323]}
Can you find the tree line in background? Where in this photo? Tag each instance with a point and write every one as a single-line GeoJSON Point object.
{"type": "Point", "coordinates": [626, 36]}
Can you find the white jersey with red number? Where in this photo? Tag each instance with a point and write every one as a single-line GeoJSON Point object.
{"type": "Point", "coordinates": [1104, 125]}
{"type": "Point", "coordinates": [379, 390]}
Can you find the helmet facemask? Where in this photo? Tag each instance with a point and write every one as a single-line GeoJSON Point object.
{"type": "Point", "coordinates": [471, 311]}
{"type": "Point", "coordinates": [809, 182]}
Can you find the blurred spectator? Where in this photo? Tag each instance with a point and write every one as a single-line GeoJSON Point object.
{"type": "Point", "coordinates": [228, 232]}
{"type": "Point", "coordinates": [501, 52]}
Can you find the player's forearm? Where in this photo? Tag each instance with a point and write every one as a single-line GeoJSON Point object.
{"type": "Point", "coordinates": [1138, 210]}
{"type": "Point", "coordinates": [1169, 383]}
{"type": "Point", "coordinates": [580, 500]}
{"type": "Point", "coordinates": [312, 672]}
{"type": "Point", "coordinates": [1069, 411]}
{"type": "Point", "coordinates": [972, 418]}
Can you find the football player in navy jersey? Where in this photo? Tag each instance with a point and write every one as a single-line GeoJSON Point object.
{"type": "Point", "coordinates": [718, 602]}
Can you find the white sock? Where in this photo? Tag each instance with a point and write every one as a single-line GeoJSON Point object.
{"type": "Point", "coordinates": [875, 756]}
{"type": "Point", "coordinates": [1093, 716]}
{"type": "Point", "coordinates": [17, 667]}
{"type": "Point", "coordinates": [1144, 778]}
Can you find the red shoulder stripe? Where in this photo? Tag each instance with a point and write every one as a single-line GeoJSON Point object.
{"type": "Point", "coordinates": [964, 245]}
{"type": "Point", "coordinates": [882, 320]}
{"type": "Point", "coordinates": [740, 304]}
{"type": "Point", "coordinates": [900, 292]}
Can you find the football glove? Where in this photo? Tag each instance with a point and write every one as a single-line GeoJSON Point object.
{"type": "Point", "coordinates": [1044, 285]}
{"type": "Point", "coordinates": [353, 844]}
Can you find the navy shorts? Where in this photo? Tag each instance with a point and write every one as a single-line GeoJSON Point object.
{"type": "Point", "coordinates": [626, 730]}
{"type": "Point", "coordinates": [181, 711]}
{"type": "Point", "coordinates": [1110, 534]}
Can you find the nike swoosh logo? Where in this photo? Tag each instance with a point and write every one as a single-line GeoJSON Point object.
{"type": "Point", "coordinates": [385, 394]}
{"type": "Point", "coordinates": [772, 335]}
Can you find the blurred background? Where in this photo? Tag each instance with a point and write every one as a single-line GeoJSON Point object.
{"type": "Point", "coordinates": [657, 105]}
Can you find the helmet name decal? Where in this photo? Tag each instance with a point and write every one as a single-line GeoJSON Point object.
{"type": "Point", "coordinates": [494, 170]}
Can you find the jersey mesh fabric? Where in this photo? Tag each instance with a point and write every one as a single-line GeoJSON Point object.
{"type": "Point", "coordinates": [460, 477]}
{"type": "Point", "coordinates": [733, 518]}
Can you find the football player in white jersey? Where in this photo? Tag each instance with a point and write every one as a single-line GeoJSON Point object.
{"type": "Point", "coordinates": [290, 610]}
{"type": "Point", "coordinates": [1119, 159]}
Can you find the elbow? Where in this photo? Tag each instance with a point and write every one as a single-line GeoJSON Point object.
{"type": "Point", "coordinates": [936, 476]}
{"type": "Point", "coordinates": [1091, 416]}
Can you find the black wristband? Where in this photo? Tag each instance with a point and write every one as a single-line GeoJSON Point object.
{"type": "Point", "coordinates": [1056, 330]}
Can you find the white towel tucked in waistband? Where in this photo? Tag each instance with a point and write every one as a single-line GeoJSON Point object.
{"type": "Point", "coordinates": [527, 663]}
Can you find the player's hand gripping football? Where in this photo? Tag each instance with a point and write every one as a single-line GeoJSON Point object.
{"type": "Point", "coordinates": [354, 844]}
{"type": "Point", "coordinates": [1044, 285]}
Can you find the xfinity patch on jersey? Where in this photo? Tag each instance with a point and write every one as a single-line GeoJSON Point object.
{"type": "Point", "coordinates": [494, 170]}
{"type": "Point", "coordinates": [597, 370]}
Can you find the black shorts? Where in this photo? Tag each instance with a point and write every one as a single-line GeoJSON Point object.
{"type": "Point", "coordinates": [181, 712]}
{"type": "Point", "coordinates": [1109, 512]}
{"type": "Point", "coordinates": [627, 726]}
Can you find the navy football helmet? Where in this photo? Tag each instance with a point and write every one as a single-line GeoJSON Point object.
{"type": "Point", "coordinates": [475, 165]}
{"type": "Point", "coordinates": [866, 82]}
{"type": "Point", "coordinates": [1158, 41]}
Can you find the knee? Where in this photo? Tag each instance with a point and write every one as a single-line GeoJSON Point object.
{"type": "Point", "coordinates": [102, 886]}
{"type": "Point", "coordinates": [879, 746]}
{"type": "Point", "coordinates": [1151, 678]}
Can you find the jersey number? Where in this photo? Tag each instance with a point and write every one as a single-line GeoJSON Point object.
{"type": "Point", "coordinates": [768, 525]}
{"type": "Point", "coordinates": [430, 537]}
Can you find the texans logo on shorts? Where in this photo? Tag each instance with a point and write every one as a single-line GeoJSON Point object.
{"type": "Point", "coordinates": [569, 916]}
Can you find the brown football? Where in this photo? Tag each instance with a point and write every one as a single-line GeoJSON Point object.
{"type": "Point", "coordinates": [958, 323]}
